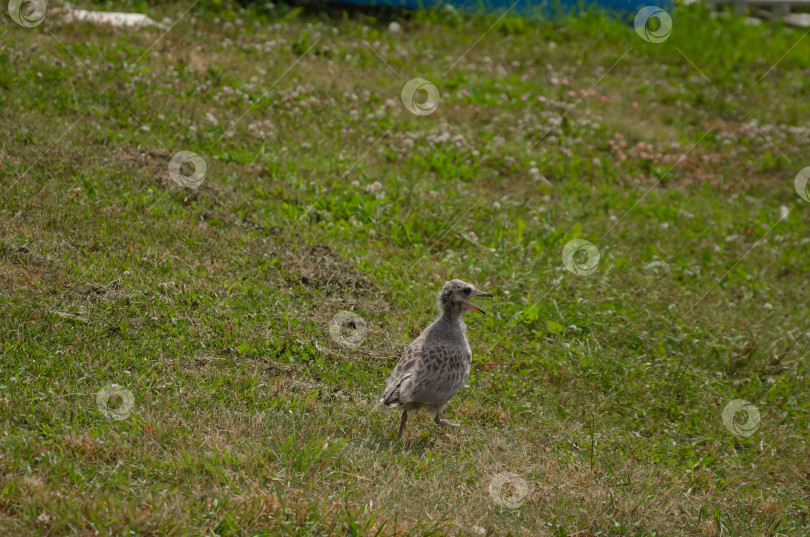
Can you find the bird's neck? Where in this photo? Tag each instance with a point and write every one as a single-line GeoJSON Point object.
{"type": "Point", "coordinates": [454, 323]}
{"type": "Point", "coordinates": [451, 316]}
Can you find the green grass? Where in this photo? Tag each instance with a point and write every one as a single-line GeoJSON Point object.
{"type": "Point", "coordinates": [324, 194]}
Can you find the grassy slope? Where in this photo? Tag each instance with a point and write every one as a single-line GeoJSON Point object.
{"type": "Point", "coordinates": [212, 305]}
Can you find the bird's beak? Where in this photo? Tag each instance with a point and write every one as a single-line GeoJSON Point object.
{"type": "Point", "coordinates": [472, 306]}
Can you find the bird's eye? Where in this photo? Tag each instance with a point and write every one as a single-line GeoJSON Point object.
{"type": "Point", "coordinates": [467, 291]}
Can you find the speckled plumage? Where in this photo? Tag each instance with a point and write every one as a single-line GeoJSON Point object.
{"type": "Point", "coordinates": [435, 366]}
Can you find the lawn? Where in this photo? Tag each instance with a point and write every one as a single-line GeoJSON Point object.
{"type": "Point", "coordinates": [218, 236]}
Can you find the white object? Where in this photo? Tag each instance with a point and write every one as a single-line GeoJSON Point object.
{"type": "Point", "coordinates": [113, 18]}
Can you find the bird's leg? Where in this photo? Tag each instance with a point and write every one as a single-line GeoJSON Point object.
{"type": "Point", "coordinates": [402, 423]}
{"type": "Point", "coordinates": [444, 423]}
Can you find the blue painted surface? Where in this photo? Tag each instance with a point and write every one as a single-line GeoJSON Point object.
{"type": "Point", "coordinates": [528, 8]}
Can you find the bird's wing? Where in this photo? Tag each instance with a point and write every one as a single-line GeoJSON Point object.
{"type": "Point", "coordinates": [407, 361]}
{"type": "Point", "coordinates": [399, 380]}
{"type": "Point", "coordinates": [437, 375]}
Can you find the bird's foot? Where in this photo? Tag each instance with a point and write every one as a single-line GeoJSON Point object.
{"type": "Point", "coordinates": [445, 423]}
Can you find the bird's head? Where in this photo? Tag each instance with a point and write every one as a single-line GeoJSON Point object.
{"type": "Point", "coordinates": [454, 298]}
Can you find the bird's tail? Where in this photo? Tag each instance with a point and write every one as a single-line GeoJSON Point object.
{"type": "Point", "coordinates": [389, 399]}
{"type": "Point", "coordinates": [382, 405]}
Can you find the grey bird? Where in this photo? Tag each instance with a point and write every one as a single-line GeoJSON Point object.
{"type": "Point", "coordinates": [435, 366]}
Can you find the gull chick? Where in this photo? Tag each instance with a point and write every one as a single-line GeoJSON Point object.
{"type": "Point", "coordinates": [436, 365]}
